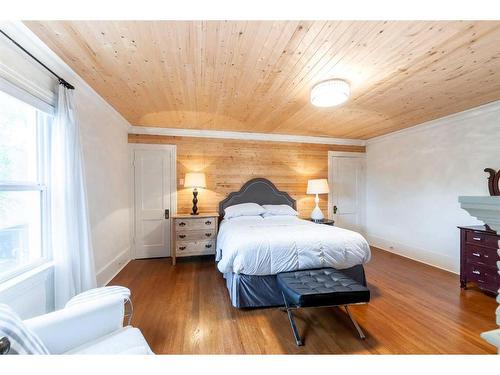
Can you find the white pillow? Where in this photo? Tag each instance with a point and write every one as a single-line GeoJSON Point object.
{"type": "Point", "coordinates": [243, 209]}
{"type": "Point", "coordinates": [279, 210]}
{"type": "Point", "coordinates": [245, 219]}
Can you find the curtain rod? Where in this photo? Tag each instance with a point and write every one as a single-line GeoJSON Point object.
{"type": "Point", "coordinates": [62, 81]}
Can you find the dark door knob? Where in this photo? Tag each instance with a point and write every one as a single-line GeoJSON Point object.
{"type": "Point", "coordinates": [334, 210]}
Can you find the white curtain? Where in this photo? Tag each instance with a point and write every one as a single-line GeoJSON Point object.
{"type": "Point", "coordinates": [69, 231]}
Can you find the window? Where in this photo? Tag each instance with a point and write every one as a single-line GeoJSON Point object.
{"type": "Point", "coordinates": [23, 213]}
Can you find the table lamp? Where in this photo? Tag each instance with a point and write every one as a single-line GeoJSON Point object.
{"type": "Point", "coordinates": [318, 186]}
{"type": "Point", "coordinates": [195, 180]}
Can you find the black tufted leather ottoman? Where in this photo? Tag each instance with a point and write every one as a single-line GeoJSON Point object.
{"type": "Point", "coordinates": [320, 288]}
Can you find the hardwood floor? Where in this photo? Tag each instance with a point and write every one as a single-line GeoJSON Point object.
{"type": "Point", "coordinates": [415, 308]}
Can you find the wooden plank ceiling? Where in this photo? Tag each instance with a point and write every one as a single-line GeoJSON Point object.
{"type": "Point", "coordinates": [256, 76]}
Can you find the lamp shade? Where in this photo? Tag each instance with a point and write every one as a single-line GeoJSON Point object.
{"type": "Point", "coordinates": [318, 186]}
{"type": "Point", "coordinates": [195, 180]}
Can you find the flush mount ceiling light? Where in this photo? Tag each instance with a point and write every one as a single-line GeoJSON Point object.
{"type": "Point", "coordinates": [330, 93]}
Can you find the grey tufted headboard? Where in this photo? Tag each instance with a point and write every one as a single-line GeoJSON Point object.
{"type": "Point", "coordinates": [257, 190]}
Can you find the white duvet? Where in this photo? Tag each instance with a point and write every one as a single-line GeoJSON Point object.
{"type": "Point", "coordinates": [267, 246]}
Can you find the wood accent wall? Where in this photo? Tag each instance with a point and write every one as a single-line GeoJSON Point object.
{"type": "Point", "coordinates": [228, 164]}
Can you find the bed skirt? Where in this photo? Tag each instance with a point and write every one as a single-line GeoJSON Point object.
{"type": "Point", "coordinates": [263, 291]}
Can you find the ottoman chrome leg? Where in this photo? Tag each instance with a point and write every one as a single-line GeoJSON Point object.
{"type": "Point", "coordinates": [295, 331]}
{"type": "Point", "coordinates": [130, 312]}
{"type": "Point", "coordinates": [355, 323]}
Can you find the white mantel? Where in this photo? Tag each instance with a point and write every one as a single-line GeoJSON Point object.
{"type": "Point", "coordinates": [486, 209]}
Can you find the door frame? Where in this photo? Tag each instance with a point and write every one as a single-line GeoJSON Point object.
{"type": "Point", "coordinates": [173, 185]}
{"type": "Point", "coordinates": [346, 154]}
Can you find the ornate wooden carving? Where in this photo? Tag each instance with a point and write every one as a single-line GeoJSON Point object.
{"type": "Point", "coordinates": [493, 180]}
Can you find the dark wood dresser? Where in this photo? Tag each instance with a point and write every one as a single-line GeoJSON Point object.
{"type": "Point", "coordinates": [478, 258]}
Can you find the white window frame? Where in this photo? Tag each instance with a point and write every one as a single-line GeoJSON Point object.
{"type": "Point", "coordinates": [40, 185]}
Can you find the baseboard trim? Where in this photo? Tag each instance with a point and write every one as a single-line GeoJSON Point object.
{"type": "Point", "coordinates": [419, 255]}
{"type": "Point", "coordinates": [110, 270]}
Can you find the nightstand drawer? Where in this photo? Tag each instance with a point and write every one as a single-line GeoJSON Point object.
{"type": "Point", "coordinates": [483, 255]}
{"type": "Point", "coordinates": [194, 235]}
{"type": "Point", "coordinates": [195, 248]}
{"type": "Point", "coordinates": [195, 224]}
{"type": "Point", "coordinates": [482, 239]}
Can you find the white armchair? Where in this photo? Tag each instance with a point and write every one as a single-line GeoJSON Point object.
{"type": "Point", "coordinates": [93, 327]}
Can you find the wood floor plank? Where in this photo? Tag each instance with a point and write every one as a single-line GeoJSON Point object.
{"type": "Point", "coordinates": [415, 309]}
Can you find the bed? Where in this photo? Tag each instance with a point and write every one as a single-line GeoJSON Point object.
{"type": "Point", "coordinates": [251, 251]}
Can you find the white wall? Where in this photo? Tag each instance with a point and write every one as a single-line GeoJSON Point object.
{"type": "Point", "coordinates": [105, 148]}
{"type": "Point", "coordinates": [415, 176]}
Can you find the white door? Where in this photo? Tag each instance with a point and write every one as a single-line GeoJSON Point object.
{"type": "Point", "coordinates": [152, 196]}
{"type": "Point", "coordinates": [346, 178]}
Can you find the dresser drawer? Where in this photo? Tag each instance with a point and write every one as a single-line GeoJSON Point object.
{"type": "Point", "coordinates": [486, 278]}
{"type": "Point", "coordinates": [184, 248]}
{"type": "Point", "coordinates": [195, 224]}
{"type": "Point", "coordinates": [482, 273]}
{"type": "Point", "coordinates": [482, 239]}
{"type": "Point", "coordinates": [482, 255]}
{"type": "Point", "coordinates": [195, 235]}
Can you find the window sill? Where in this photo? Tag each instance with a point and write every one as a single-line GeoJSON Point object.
{"type": "Point", "coordinates": [25, 276]}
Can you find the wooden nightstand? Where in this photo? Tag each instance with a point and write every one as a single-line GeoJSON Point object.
{"type": "Point", "coordinates": [324, 221]}
{"type": "Point", "coordinates": [194, 235]}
